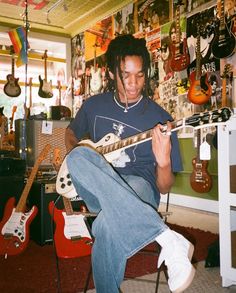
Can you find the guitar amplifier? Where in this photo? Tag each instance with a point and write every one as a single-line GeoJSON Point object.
{"type": "Point", "coordinates": [41, 194]}
{"type": "Point", "coordinates": [36, 140]}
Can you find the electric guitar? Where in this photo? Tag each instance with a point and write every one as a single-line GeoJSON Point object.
{"type": "Point", "coordinates": [179, 50]}
{"type": "Point", "coordinates": [14, 227]}
{"type": "Point", "coordinates": [72, 238]}
{"type": "Point", "coordinates": [225, 75]}
{"type": "Point", "coordinates": [96, 76]}
{"type": "Point", "coordinates": [224, 42]}
{"type": "Point", "coordinates": [200, 90]}
{"type": "Point", "coordinates": [111, 146]}
{"type": "Point", "coordinates": [12, 88]}
{"type": "Point", "coordinates": [200, 179]}
{"type": "Point", "coordinates": [45, 87]}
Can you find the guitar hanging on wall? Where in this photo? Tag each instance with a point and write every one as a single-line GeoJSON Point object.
{"type": "Point", "coordinates": [111, 146]}
{"type": "Point", "coordinates": [179, 50]}
{"type": "Point", "coordinates": [96, 75]}
{"type": "Point", "coordinates": [12, 88]}
{"type": "Point", "coordinates": [224, 42]}
{"type": "Point", "coordinates": [72, 238]}
{"type": "Point", "coordinates": [200, 90]}
{"type": "Point", "coordinates": [200, 179]}
{"type": "Point", "coordinates": [45, 87]}
{"type": "Point", "coordinates": [225, 75]}
{"type": "Point", "coordinates": [14, 227]}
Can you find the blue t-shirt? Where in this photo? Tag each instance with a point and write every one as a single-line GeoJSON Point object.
{"type": "Point", "coordinates": [101, 115]}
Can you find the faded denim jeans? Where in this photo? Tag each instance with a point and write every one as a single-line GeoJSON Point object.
{"type": "Point", "coordinates": [126, 221]}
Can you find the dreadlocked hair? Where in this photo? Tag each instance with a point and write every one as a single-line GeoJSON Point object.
{"type": "Point", "coordinates": [127, 45]}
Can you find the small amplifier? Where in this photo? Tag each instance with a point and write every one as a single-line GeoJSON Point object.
{"type": "Point", "coordinates": [36, 139]}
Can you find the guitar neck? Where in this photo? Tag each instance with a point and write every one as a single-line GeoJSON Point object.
{"type": "Point", "coordinates": [68, 206]}
{"type": "Point", "coordinates": [22, 202]}
{"type": "Point", "coordinates": [177, 30]}
{"type": "Point", "coordinates": [222, 15]}
{"type": "Point", "coordinates": [198, 145]}
{"type": "Point", "coordinates": [198, 57]}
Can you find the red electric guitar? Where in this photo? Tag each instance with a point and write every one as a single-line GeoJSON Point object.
{"type": "Point", "coordinates": [179, 49]}
{"type": "Point", "coordinates": [72, 238]}
{"type": "Point", "coordinates": [200, 90]}
{"type": "Point", "coordinates": [200, 179]}
{"type": "Point", "coordinates": [14, 227]}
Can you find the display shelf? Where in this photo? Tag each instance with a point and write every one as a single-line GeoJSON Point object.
{"type": "Point", "coordinates": [227, 200]}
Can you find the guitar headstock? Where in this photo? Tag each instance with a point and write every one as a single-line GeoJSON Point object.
{"type": "Point", "coordinates": [42, 156]}
{"type": "Point", "coordinates": [227, 71]}
{"type": "Point", "coordinates": [45, 56]}
{"type": "Point", "coordinates": [57, 160]}
{"type": "Point", "coordinates": [210, 118]}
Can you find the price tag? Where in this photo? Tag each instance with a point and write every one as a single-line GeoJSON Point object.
{"type": "Point", "coordinates": [205, 151]}
{"type": "Point", "coordinates": [47, 127]}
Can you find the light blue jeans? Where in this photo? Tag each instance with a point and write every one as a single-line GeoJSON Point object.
{"type": "Point", "coordinates": [126, 221]}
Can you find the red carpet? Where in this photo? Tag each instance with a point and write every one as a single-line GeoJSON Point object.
{"type": "Point", "coordinates": [35, 270]}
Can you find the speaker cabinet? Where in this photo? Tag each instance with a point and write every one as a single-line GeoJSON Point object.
{"type": "Point", "coordinates": [41, 194]}
{"type": "Point", "coordinates": [36, 140]}
{"type": "Point", "coordinates": [10, 186]}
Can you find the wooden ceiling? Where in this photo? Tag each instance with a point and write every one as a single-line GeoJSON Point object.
{"type": "Point", "coordinates": [61, 17]}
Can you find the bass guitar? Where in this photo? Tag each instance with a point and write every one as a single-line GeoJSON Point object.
{"type": "Point", "coordinates": [224, 42]}
{"type": "Point", "coordinates": [72, 238]}
{"type": "Point", "coordinates": [200, 179]}
{"type": "Point", "coordinates": [12, 88]}
{"type": "Point", "coordinates": [111, 146]}
{"type": "Point", "coordinates": [45, 87]}
{"type": "Point", "coordinates": [179, 49]}
{"type": "Point", "coordinates": [200, 90]}
{"type": "Point", "coordinates": [14, 227]}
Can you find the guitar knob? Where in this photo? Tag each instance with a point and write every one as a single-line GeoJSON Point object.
{"type": "Point", "coordinates": [61, 179]}
{"type": "Point", "coordinates": [16, 244]}
{"type": "Point", "coordinates": [69, 183]}
{"type": "Point", "coordinates": [68, 176]}
{"type": "Point", "coordinates": [63, 185]}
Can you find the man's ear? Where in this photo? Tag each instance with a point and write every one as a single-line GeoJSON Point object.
{"type": "Point", "coordinates": [111, 75]}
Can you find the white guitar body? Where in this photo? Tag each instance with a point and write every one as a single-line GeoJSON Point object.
{"type": "Point", "coordinates": [96, 80]}
{"type": "Point", "coordinates": [47, 87]}
{"type": "Point", "coordinates": [64, 185]}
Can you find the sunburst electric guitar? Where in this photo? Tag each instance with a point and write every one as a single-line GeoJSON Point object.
{"type": "Point", "coordinates": [14, 227]}
{"type": "Point", "coordinates": [12, 88]}
{"type": "Point", "coordinates": [200, 90]}
{"type": "Point", "coordinates": [111, 146]}
{"type": "Point", "coordinates": [72, 238]}
{"type": "Point", "coordinates": [200, 179]}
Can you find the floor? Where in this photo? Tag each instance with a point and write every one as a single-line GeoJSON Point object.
{"type": "Point", "coordinates": [207, 280]}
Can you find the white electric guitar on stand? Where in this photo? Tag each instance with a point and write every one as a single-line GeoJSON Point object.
{"type": "Point", "coordinates": [111, 146]}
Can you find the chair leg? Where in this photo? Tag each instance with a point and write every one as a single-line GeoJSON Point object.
{"type": "Point", "coordinates": [88, 279]}
{"type": "Point", "coordinates": [164, 270]}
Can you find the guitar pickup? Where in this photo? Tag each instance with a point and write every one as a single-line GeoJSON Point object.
{"type": "Point", "coordinates": [8, 235]}
{"type": "Point", "coordinates": [76, 238]}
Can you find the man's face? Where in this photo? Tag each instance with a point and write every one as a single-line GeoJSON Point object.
{"type": "Point", "coordinates": [133, 78]}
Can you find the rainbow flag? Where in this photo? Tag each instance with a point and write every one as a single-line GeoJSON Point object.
{"type": "Point", "coordinates": [18, 39]}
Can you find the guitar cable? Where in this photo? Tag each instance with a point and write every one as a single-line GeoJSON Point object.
{"type": "Point", "coordinates": [54, 247]}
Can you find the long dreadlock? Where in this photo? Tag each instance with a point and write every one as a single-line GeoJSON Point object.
{"type": "Point", "coordinates": [127, 45]}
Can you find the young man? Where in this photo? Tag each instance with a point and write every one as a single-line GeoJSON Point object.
{"type": "Point", "coordinates": [125, 192]}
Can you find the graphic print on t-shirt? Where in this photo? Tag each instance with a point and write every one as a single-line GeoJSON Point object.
{"type": "Point", "coordinates": [104, 125]}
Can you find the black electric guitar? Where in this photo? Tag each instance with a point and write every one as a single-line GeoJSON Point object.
{"type": "Point", "coordinates": [45, 87]}
{"type": "Point", "coordinates": [111, 146]}
{"type": "Point", "coordinates": [12, 88]}
{"type": "Point", "coordinates": [224, 77]}
{"type": "Point", "coordinates": [224, 42]}
{"type": "Point", "coordinates": [200, 179]}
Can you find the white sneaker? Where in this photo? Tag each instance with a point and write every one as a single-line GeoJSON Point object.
{"type": "Point", "coordinates": [177, 257]}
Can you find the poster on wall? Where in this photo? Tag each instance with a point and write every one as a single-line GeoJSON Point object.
{"type": "Point", "coordinates": [204, 66]}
